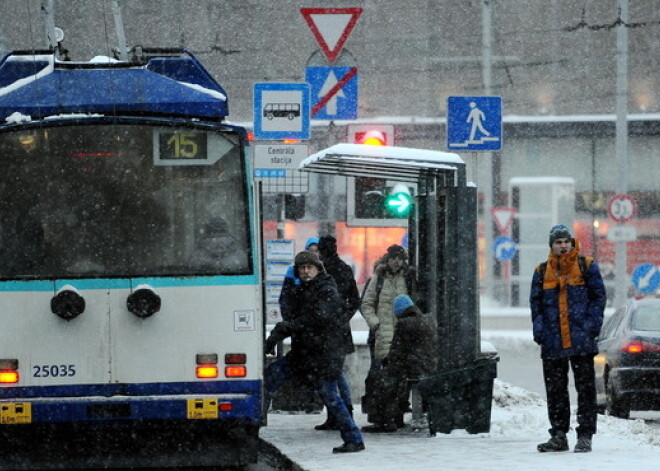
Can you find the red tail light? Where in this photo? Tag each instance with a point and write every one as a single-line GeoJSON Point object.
{"type": "Point", "coordinates": [638, 346]}
{"type": "Point", "coordinates": [235, 371]}
{"type": "Point", "coordinates": [8, 376]}
{"type": "Point", "coordinates": [235, 358]}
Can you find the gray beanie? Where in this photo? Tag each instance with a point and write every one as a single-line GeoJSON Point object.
{"type": "Point", "coordinates": [559, 231]}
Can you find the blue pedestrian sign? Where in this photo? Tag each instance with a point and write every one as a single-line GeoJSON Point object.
{"type": "Point", "coordinates": [334, 92]}
{"type": "Point", "coordinates": [504, 249]}
{"type": "Point", "coordinates": [646, 278]}
{"type": "Point", "coordinates": [474, 123]}
{"type": "Point", "coordinates": [281, 111]}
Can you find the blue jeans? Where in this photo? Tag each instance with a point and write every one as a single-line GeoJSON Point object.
{"type": "Point", "coordinates": [345, 390]}
{"type": "Point", "coordinates": [280, 372]}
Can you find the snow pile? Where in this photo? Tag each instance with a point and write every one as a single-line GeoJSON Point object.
{"type": "Point", "coordinates": [17, 117]}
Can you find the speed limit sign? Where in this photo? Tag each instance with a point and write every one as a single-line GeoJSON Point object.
{"type": "Point", "coordinates": [622, 208]}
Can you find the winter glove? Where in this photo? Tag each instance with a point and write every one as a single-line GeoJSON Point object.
{"type": "Point", "coordinates": [281, 331]}
{"type": "Point", "coordinates": [270, 345]}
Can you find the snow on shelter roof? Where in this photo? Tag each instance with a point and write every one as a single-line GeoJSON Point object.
{"type": "Point", "coordinates": [395, 163]}
{"type": "Point", "coordinates": [164, 82]}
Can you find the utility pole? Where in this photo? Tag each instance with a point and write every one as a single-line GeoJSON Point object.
{"type": "Point", "coordinates": [119, 28]}
{"type": "Point", "coordinates": [621, 143]}
{"type": "Point", "coordinates": [489, 190]}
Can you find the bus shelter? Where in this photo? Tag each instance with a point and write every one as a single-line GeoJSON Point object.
{"type": "Point", "coordinates": [443, 245]}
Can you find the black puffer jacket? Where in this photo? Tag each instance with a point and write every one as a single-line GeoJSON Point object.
{"type": "Point", "coordinates": [346, 285]}
{"type": "Point", "coordinates": [413, 352]}
{"type": "Point", "coordinates": [317, 350]}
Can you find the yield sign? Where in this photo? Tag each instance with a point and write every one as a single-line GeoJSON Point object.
{"type": "Point", "coordinates": [331, 27]}
{"type": "Point", "coordinates": [503, 217]}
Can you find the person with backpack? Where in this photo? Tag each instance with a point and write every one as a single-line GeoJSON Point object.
{"type": "Point", "coordinates": [567, 301]}
{"type": "Point", "coordinates": [391, 278]}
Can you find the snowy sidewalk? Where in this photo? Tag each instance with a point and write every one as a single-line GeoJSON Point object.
{"type": "Point", "coordinates": [518, 424]}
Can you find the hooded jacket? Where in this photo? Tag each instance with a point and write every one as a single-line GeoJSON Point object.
{"type": "Point", "coordinates": [376, 307]}
{"type": "Point", "coordinates": [413, 352]}
{"type": "Point", "coordinates": [567, 307]}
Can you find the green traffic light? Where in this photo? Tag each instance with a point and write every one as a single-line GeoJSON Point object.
{"type": "Point", "coordinates": [399, 204]}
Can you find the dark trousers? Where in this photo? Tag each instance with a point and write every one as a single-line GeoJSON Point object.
{"type": "Point", "coordinates": [555, 374]}
{"type": "Point", "coordinates": [384, 397]}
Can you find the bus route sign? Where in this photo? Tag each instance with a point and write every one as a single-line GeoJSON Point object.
{"type": "Point", "coordinates": [281, 111]}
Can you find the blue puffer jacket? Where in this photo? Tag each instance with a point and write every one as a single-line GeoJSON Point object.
{"type": "Point", "coordinates": [567, 308]}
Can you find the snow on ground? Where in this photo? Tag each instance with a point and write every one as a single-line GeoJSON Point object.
{"type": "Point", "coordinates": [518, 424]}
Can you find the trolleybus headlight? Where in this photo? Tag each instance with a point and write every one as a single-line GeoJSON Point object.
{"type": "Point", "coordinates": [67, 303]}
{"type": "Point", "coordinates": [143, 302]}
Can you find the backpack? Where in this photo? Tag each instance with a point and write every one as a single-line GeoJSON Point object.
{"type": "Point", "coordinates": [583, 262]}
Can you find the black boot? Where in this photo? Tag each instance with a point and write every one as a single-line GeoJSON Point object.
{"type": "Point", "coordinates": [349, 448]}
{"type": "Point", "coordinates": [329, 424]}
{"type": "Point", "coordinates": [558, 442]}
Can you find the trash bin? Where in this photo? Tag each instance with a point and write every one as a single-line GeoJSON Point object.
{"type": "Point", "coordinates": [460, 398]}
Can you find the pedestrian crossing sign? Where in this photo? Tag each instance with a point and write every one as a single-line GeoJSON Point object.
{"type": "Point", "coordinates": [474, 123]}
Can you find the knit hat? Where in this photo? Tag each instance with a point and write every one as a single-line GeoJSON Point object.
{"type": "Point", "coordinates": [327, 246]}
{"type": "Point", "coordinates": [308, 258]}
{"type": "Point", "coordinates": [396, 251]}
{"type": "Point", "coordinates": [311, 241]}
{"type": "Point", "coordinates": [401, 303]}
{"type": "Point", "coordinates": [559, 231]}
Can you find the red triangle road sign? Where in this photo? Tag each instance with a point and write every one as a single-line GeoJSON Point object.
{"type": "Point", "coordinates": [331, 27]}
{"type": "Point", "coordinates": [503, 217]}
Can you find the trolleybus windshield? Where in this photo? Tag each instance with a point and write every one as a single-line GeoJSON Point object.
{"type": "Point", "coordinates": [119, 200]}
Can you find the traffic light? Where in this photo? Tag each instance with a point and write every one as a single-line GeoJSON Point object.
{"type": "Point", "coordinates": [375, 202]}
{"type": "Point", "coordinates": [399, 202]}
{"type": "Point", "coordinates": [371, 134]}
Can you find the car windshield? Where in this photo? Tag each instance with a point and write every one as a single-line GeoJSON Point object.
{"type": "Point", "coordinates": [647, 318]}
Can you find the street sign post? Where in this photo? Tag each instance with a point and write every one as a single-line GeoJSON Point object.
{"type": "Point", "coordinates": [621, 233]}
{"type": "Point", "coordinates": [503, 218]}
{"type": "Point", "coordinates": [474, 123]}
{"type": "Point", "coordinates": [281, 111]}
{"type": "Point", "coordinates": [504, 249]}
{"type": "Point", "coordinates": [334, 92]}
{"type": "Point", "coordinates": [275, 160]}
{"type": "Point", "coordinates": [622, 208]}
{"type": "Point", "coordinates": [646, 278]}
{"type": "Point", "coordinates": [331, 27]}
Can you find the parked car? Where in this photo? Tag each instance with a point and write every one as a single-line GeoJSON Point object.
{"type": "Point", "coordinates": [628, 365]}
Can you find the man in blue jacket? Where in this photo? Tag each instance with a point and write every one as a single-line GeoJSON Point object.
{"type": "Point", "coordinates": [567, 301]}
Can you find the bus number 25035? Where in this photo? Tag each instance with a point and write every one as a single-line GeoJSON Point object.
{"type": "Point", "coordinates": [53, 371]}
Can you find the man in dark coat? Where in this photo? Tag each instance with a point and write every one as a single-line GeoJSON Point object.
{"type": "Point", "coordinates": [567, 300]}
{"type": "Point", "coordinates": [347, 287]}
{"type": "Point", "coordinates": [316, 355]}
{"type": "Point", "coordinates": [412, 354]}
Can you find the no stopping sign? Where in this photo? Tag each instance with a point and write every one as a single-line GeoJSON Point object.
{"type": "Point", "coordinates": [622, 208]}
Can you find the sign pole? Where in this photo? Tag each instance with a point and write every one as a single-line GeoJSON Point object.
{"type": "Point", "coordinates": [622, 143]}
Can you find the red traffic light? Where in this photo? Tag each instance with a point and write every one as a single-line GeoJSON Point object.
{"type": "Point", "coordinates": [373, 137]}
